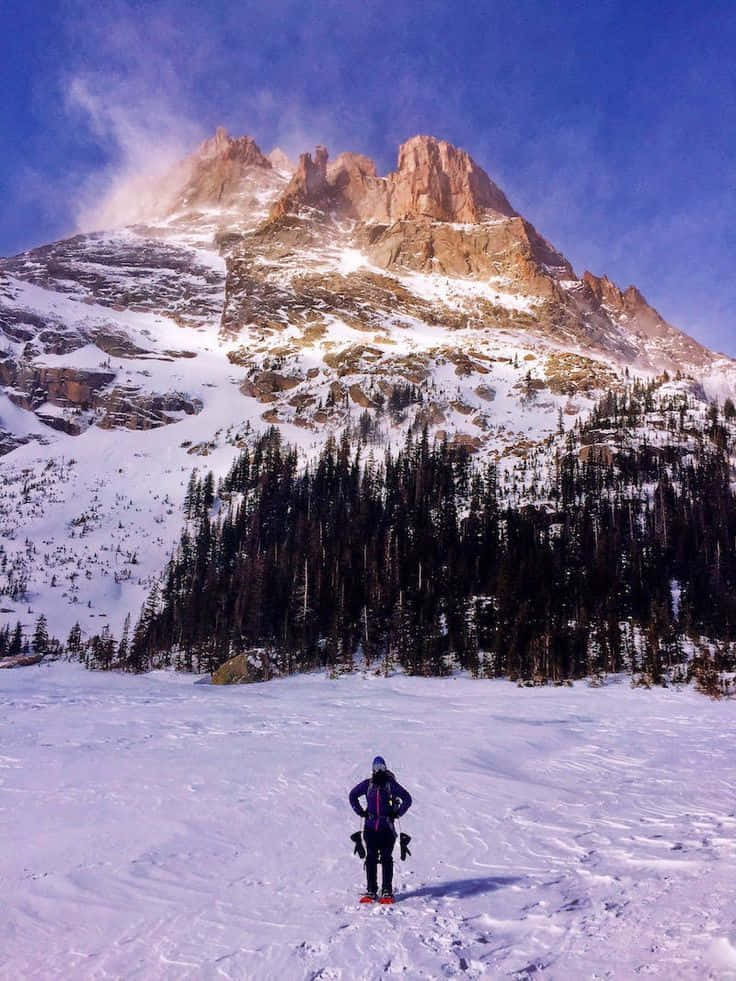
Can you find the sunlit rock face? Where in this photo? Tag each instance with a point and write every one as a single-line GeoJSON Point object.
{"type": "Point", "coordinates": [319, 273]}
{"type": "Point", "coordinates": [434, 180]}
{"type": "Point", "coordinates": [322, 298]}
{"type": "Point", "coordinates": [220, 168]}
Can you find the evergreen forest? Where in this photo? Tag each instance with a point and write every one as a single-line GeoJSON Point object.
{"type": "Point", "coordinates": [415, 560]}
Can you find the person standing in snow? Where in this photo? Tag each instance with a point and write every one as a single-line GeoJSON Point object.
{"type": "Point", "coordinates": [386, 800]}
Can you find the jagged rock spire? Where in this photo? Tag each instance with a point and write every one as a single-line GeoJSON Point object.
{"type": "Point", "coordinates": [433, 180]}
{"type": "Point", "coordinates": [437, 180]}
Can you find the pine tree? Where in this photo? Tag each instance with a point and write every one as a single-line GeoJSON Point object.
{"type": "Point", "coordinates": [74, 643]}
{"type": "Point", "coordinates": [40, 641]}
{"type": "Point", "coordinates": [208, 493]}
{"type": "Point", "coordinates": [123, 646]}
{"type": "Point", "coordinates": [394, 557]}
{"type": "Point", "coordinates": [15, 648]}
{"type": "Point", "coordinates": [191, 498]}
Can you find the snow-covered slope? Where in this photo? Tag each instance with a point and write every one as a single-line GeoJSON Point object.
{"type": "Point", "coordinates": [156, 827]}
{"type": "Point", "coordinates": [247, 297]}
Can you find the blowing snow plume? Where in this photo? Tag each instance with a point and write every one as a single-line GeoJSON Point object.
{"type": "Point", "coordinates": [144, 143]}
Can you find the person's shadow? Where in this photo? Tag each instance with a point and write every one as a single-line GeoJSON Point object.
{"type": "Point", "coordinates": [460, 888]}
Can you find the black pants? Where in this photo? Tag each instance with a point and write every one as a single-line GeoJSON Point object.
{"type": "Point", "coordinates": [379, 846]}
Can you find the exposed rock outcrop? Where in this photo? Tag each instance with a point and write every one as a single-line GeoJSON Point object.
{"type": "Point", "coordinates": [266, 385]}
{"type": "Point", "coordinates": [439, 181]}
{"type": "Point", "coordinates": [159, 277]}
{"type": "Point", "coordinates": [429, 215]}
{"type": "Point", "coordinates": [218, 169]}
{"type": "Point", "coordinates": [434, 180]}
{"type": "Point", "coordinates": [568, 374]}
{"type": "Point", "coordinates": [69, 399]}
{"type": "Point", "coordinates": [243, 150]}
{"type": "Point", "coordinates": [29, 385]}
{"type": "Point", "coordinates": [280, 161]}
{"type": "Point", "coordinates": [308, 186]}
{"type": "Point", "coordinates": [641, 319]}
{"type": "Point", "coordinates": [244, 669]}
{"type": "Point", "coordinates": [357, 190]}
{"type": "Point", "coordinates": [126, 407]}
{"type": "Point", "coordinates": [511, 248]}
{"type": "Point", "coordinates": [20, 661]}
{"type": "Point", "coordinates": [629, 303]}
{"type": "Point", "coordinates": [11, 441]}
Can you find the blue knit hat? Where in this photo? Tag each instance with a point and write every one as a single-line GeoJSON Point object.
{"type": "Point", "coordinates": [378, 764]}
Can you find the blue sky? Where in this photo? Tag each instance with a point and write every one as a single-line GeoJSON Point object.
{"type": "Point", "coordinates": [610, 125]}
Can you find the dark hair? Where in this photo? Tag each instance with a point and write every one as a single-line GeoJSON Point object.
{"type": "Point", "coordinates": [381, 777]}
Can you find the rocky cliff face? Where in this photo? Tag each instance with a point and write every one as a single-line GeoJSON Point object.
{"type": "Point", "coordinates": [434, 180]}
{"type": "Point", "coordinates": [280, 161]}
{"type": "Point", "coordinates": [307, 188]}
{"type": "Point", "coordinates": [221, 170]}
{"type": "Point", "coordinates": [323, 299]}
{"type": "Point", "coordinates": [438, 181]}
{"type": "Point", "coordinates": [605, 301]}
{"type": "Point", "coordinates": [319, 279]}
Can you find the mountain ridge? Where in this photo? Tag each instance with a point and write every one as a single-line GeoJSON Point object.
{"type": "Point", "coordinates": [433, 179]}
{"type": "Point", "coordinates": [252, 295]}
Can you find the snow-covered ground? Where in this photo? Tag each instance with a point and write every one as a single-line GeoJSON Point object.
{"type": "Point", "coordinates": [158, 827]}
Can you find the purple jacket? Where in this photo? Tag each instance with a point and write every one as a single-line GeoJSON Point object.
{"type": "Point", "coordinates": [384, 802]}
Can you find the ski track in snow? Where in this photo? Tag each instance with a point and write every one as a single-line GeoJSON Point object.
{"type": "Point", "coordinates": [157, 827]}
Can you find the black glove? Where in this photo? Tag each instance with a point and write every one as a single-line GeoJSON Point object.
{"type": "Point", "coordinates": [359, 850]}
{"type": "Point", "coordinates": [404, 840]}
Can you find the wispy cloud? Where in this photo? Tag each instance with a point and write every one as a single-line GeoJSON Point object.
{"type": "Point", "coordinates": [127, 93]}
{"type": "Point", "coordinates": [612, 135]}
{"type": "Point", "coordinates": [141, 136]}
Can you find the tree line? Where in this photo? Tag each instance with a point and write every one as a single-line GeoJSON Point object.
{"type": "Point", "coordinates": [413, 560]}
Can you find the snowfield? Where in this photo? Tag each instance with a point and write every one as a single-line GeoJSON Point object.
{"type": "Point", "coordinates": [160, 827]}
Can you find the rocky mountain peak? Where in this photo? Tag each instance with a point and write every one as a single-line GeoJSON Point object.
{"type": "Point", "coordinates": [312, 174]}
{"type": "Point", "coordinates": [219, 172]}
{"type": "Point", "coordinates": [308, 186]}
{"type": "Point", "coordinates": [629, 302]}
{"type": "Point", "coordinates": [631, 308]}
{"type": "Point", "coordinates": [357, 189]}
{"type": "Point", "coordinates": [244, 150]}
{"type": "Point", "coordinates": [215, 145]}
{"type": "Point", "coordinates": [439, 181]}
{"type": "Point", "coordinates": [280, 160]}
{"type": "Point", "coordinates": [604, 290]}
{"type": "Point", "coordinates": [434, 180]}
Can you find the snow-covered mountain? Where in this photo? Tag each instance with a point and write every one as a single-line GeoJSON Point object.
{"type": "Point", "coordinates": [247, 292]}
